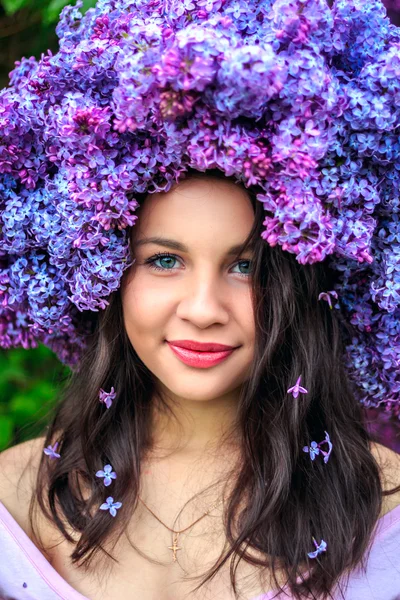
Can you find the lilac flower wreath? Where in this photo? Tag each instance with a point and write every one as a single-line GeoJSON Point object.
{"type": "Point", "coordinates": [293, 96]}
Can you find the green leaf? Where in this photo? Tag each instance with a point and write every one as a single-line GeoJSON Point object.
{"type": "Point", "coordinates": [51, 12]}
{"type": "Point", "coordinates": [22, 409]}
{"type": "Point", "coordinates": [6, 431]}
{"type": "Point", "coordinates": [88, 4]}
{"type": "Point", "coordinates": [11, 6]}
{"type": "Point", "coordinates": [42, 392]}
{"type": "Point", "coordinates": [13, 374]}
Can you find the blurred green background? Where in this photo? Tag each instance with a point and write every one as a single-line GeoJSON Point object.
{"type": "Point", "coordinates": [30, 380]}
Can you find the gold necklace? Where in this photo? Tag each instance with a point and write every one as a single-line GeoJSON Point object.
{"type": "Point", "coordinates": [175, 535]}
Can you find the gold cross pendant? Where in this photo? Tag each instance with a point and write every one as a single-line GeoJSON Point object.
{"type": "Point", "coordinates": [175, 547]}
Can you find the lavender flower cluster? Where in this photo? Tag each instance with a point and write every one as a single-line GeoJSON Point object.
{"type": "Point", "coordinates": [292, 96]}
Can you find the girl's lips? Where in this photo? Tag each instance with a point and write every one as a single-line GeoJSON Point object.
{"type": "Point", "coordinates": [201, 360]}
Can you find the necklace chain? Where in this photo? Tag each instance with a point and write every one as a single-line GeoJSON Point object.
{"type": "Point", "coordinates": [176, 534]}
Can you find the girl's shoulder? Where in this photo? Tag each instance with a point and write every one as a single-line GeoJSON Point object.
{"type": "Point", "coordinates": [389, 463]}
{"type": "Point", "coordinates": [18, 470]}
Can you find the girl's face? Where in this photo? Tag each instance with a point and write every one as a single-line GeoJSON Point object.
{"type": "Point", "coordinates": [196, 291]}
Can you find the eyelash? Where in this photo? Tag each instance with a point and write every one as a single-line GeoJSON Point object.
{"type": "Point", "coordinates": [150, 261]}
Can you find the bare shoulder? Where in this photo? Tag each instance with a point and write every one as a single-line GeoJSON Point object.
{"type": "Point", "coordinates": [18, 468]}
{"type": "Point", "coordinates": [389, 463]}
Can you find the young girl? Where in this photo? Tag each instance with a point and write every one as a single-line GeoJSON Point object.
{"type": "Point", "coordinates": [211, 441]}
{"type": "Point", "coordinates": [197, 341]}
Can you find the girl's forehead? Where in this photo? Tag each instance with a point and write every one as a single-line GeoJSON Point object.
{"type": "Point", "coordinates": [204, 214]}
{"type": "Point", "coordinates": [202, 197]}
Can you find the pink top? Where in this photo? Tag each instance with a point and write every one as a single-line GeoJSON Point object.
{"type": "Point", "coordinates": [25, 574]}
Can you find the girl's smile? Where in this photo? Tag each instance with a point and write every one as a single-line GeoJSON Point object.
{"type": "Point", "coordinates": [200, 360]}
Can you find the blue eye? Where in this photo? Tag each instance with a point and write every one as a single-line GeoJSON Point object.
{"type": "Point", "coordinates": [241, 262]}
{"type": "Point", "coordinates": [167, 262]}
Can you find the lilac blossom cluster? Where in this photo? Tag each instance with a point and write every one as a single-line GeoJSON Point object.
{"type": "Point", "coordinates": [292, 96]}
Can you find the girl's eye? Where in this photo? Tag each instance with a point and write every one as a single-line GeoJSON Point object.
{"type": "Point", "coordinates": [167, 260]}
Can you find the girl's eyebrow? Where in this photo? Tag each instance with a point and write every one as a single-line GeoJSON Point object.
{"type": "Point", "coordinates": [175, 245]}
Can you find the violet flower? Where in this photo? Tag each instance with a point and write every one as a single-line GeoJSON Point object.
{"type": "Point", "coordinates": [51, 451]}
{"type": "Point", "coordinates": [297, 389]}
{"type": "Point", "coordinates": [314, 449]}
{"type": "Point", "coordinates": [108, 475]}
{"type": "Point", "coordinates": [319, 548]}
{"type": "Point", "coordinates": [327, 296]}
{"type": "Point", "coordinates": [107, 397]}
{"type": "Point", "coordinates": [111, 506]}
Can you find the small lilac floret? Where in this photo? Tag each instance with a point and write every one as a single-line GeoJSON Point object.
{"type": "Point", "coordinates": [314, 449]}
{"type": "Point", "coordinates": [51, 451]}
{"type": "Point", "coordinates": [327, 296]}
{"type": "Point", "coordinates": [111, 506]}
{"type": "Point", "coordinates": [297, 389]}
{"type": "Point", "coordinates": [319, 548]}
{"type": "Point", "coordinates": [108, 475]}
{"type": "Point", "coordinates": [107, 397]}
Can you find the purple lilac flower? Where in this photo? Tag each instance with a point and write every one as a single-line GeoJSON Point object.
{"type": "Point", "coordinates": [297, 389]}
{"type": "Point", "coordinates": [319, 548]}
{"type": "Point", "coordinates": [327, 296]}
{"type": "Point", "coordinates": [296, 98]}
{"type": "Point", "coordinates": [314, 449]}
{"type": "Point", "coordinates": [51, 451]}
{"type": "Point", "coordinates": [107, 397]}
{"type": "Point", "coordinates": [108, 475]}
{"type": "Point", "coordinates": [111, 506]}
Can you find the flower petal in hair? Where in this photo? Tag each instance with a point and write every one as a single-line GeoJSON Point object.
{"type": "Point", "coordinates": [108, 475]}
{"type": "Point", "coordinates": [107, 397]}
{"type": "Point", "coordinates": [330, 446]}
{"type": "Point", "coordinates": [297, 389]}
{"type": "Point", "coordinates": [51, 451]}
{"type": "Point", "coordinates": [314, 448]}
{"type": "Point", "coordinates": [319, 548]}
{"type": "Point", "coordinates": [111, 506]}
{"type": "Point", "coordinates": [327, 296]}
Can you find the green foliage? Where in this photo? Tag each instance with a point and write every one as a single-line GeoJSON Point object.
{"type": "Point", "coordinates": [50, 9]}
{"type": "Point", "coordinates": [27, 28]}
{"type": "Point", "coordinates": [30, 382]}
{"type": "Point", "coordinates": [11, 6]}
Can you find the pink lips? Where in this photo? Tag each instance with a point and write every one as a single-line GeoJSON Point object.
{"type": "Point", "coordinates": [201, 346]}
{"type": "Point", "coordinates": [199, 359]}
